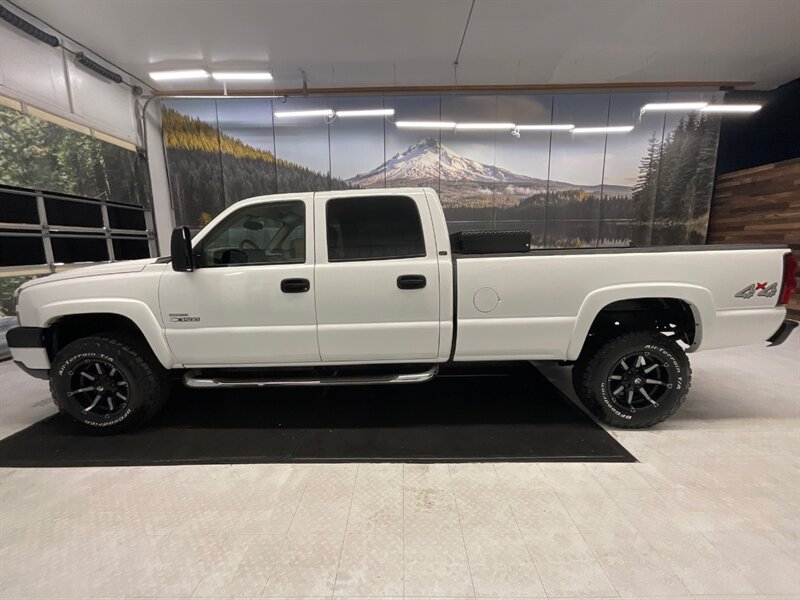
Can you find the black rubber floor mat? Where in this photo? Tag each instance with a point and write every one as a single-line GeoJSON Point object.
{"type": "Point", "coordinates": [505, 412]}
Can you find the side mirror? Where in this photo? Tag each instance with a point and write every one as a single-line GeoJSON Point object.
{"type": "Point", "coordinates": [181, 249]}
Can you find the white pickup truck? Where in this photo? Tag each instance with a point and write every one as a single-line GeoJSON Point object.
{"type": "Point", "coordinates": [353, 287]}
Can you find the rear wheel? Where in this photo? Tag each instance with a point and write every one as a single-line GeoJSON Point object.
{"type": "Point", "coordinates": [107, 383]}
{"type": "Point", "coordinates": [635, 380]}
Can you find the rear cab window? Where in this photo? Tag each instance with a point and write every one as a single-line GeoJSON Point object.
{"type": "Point", "coordinates": [381, 227]}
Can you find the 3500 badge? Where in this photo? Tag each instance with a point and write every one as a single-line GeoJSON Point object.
{"type": "Point", "coordinates": [757, 289]}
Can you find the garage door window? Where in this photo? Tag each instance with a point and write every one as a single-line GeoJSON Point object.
{"type": "Point", "coordinates": [373, 228]}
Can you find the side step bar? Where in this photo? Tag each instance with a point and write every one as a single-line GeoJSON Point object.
{"type": "Point", "coordinates": [190, 379]}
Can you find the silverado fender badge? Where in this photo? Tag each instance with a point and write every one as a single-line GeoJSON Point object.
{"type": "Point", "coordinates": [182, 318]}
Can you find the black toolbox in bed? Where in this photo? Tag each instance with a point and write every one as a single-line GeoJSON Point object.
{"type": "Point", "coordinates": [490, 242]}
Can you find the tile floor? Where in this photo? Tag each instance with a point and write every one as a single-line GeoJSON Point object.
{"type": "Point", "coordinates": [712, 510]}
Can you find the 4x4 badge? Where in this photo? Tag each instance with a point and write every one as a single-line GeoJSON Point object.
{"type": "Point", "coordinates": [757, 289]}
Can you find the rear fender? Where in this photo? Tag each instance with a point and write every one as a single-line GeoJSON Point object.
{"type": "Point", "coordinates": [698, 298]}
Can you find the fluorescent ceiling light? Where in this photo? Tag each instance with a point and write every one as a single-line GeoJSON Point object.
{"type": "Point", "coordinates": [425, 124]}
{"type": "Point", "coordinates": [486, 126]}
{"type": "Point", "coordinates": [674, 106]}
{"type": "Point", "coordinates": [322, 112]}
{"type": "Point", "coordinates": [611, 129]}
{"type": "Point", "coordinates": [732, 108]}
{"type": "Point", "coordinates": [218, 97]}
{"type": "Point", "coordinates": [375, 112]}
{"type": "Point", "coordinates": [177, 75]}
{"type": "Point", "coordinates": [242, 76]}
{"type": "Point", "coordinates": [564, 127]}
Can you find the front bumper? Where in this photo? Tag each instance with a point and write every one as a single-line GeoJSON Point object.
{"type": "Point", "coordinates": [784, 331]}
{"type": "Point", "coordinates": [28, 349]}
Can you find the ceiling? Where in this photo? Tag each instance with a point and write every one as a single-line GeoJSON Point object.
{"type": "Point", "coordinates": [346, 43]}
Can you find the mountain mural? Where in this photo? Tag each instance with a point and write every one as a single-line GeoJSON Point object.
{"type": "Point", "coordinates": [428, 160]}
{"type": "Point", "coordinates": [212, 163]}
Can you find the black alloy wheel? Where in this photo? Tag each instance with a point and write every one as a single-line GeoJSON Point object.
{"type": "Point", "coordinates": [99, 388]}
{"type": "Point", "coordinates": [638, 381]}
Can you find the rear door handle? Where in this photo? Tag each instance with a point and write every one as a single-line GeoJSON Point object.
{"type": "Point", "coordinates": [295, 286]}
{"type": "Point", "coordinates": [411, 282]}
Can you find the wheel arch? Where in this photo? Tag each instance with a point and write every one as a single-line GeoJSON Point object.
{"type": "Point", "coordinates": [691, 305]}
{"type": "Point", "coordinates": [68, 321]}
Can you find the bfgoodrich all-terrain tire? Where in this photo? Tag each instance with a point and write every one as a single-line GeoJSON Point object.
{"type": "Point", "coordinates": [633, 381]}
{"type": "Point", "coordinates": [108, 383]}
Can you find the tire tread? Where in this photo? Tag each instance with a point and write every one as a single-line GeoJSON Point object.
{"type": "Point", "coordinates": [584, 375]}
{"type": "Point", "coordinates": [153, 384]}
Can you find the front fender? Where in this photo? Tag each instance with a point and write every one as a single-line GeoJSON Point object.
{"type": "Point", "coordinates": [135, 310]}
{"type": "Point", "coordinates": [698, 298]}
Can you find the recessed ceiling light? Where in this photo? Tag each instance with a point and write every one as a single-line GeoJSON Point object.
{"type": "Point", "coordinates": [426, 124]}
{"type": "Point", "coordinates": [177, 75]}
{"type": "Point", "coordinates": [610, 129]}
{"type": "Point", "coordinates": [373, 112]}
{"type": "Point", "coordinates": [322, 112]}
{"type": "Point", "coordinates": [486, 126]}
{"type": "Point", "coordinates": [562, 127]}
{"type": "Point", "coordinates": [674, 106]}
{"type": "Point", "coordinates": [242, 76]}
{"type": "Point", "coordinates": [732, 108]}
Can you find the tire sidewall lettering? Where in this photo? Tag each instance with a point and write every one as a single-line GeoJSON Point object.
{"type": "Point", "coordinates": [82, 356]}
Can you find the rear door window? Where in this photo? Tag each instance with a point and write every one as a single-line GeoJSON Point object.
{"type": "Point", "coordinates": [373, 228]}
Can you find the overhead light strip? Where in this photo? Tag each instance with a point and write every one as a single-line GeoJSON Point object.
{"type": "Point", "coordinates": [670, 106]}
{"type": "Point", "coordinates": [216, 97]}
{"type": "Point", "coordinates": [426, 124]}
{"type": "Point", "coordinates": [732, 108]}
{"type": "Point", "coordinates": [376, 112]}
{"type": "Point", "coordinates": [610, 129]}
{"type": "Point", "coordinates": [324, 112]}
{"type": "Point", "coordinates": [179, 75]}
{"type": "Point", "coordinates": [554, 127]}
{"type": "Point", "coordinates": [485, 126]}
{"type": "Point", "coordinates": [242, 75]}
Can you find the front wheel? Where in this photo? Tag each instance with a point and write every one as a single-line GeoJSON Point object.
{"type": "Point", "coordinates": [633, 381]}
{"type": "Point", "coordinates": [107, 383]}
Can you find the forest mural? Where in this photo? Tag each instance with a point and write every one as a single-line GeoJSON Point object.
{"type": "Point", "coordinates": [41, 155]}
{"type": "Point", "coordinates": [649, 186]}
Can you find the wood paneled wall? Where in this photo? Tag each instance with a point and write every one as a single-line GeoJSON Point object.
{"type": "Point", "coordinates": [759, 206]}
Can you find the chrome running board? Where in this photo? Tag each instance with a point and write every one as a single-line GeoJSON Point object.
{"type": "Point", "coordinates": [193, 381]}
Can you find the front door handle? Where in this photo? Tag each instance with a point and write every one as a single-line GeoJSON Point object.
{"type": "Point", "coordinates": [295, 286]}
{"type": "Point", "coordinates": [411, 282]}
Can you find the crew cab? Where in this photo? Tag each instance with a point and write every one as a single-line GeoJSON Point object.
{"type": "Point", "coordinates": [363, 286]}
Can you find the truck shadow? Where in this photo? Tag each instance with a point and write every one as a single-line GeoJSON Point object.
{"type": "Point", "coordinates": [505, 412]}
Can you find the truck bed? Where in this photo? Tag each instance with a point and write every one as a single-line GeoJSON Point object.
{"type": "Point", "coordinates": [547, 299]}
{"type": "Point", "coordinates": [627, 250]}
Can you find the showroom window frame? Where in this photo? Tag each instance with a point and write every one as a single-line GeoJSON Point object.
{"type": "Point", "coordinates": [44, 231]}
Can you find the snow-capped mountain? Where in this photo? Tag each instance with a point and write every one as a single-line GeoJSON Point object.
{"type": "Point", "coordinates": [423, 160]}
{"type": "Point", "coordinates": [429, 160]}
